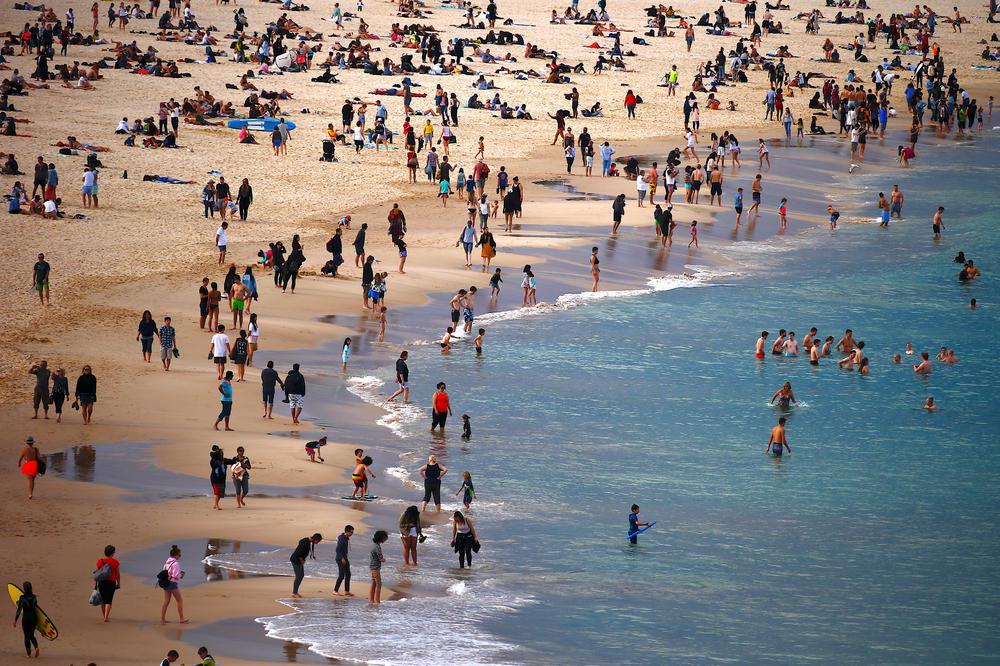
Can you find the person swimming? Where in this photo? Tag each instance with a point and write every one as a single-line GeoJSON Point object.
{"type": "Point", "coordinates": [785, 397]}
{"type": "Point", "coordinates": [924, 367]}
{"type": "Point", "coordinates": [929, 404]}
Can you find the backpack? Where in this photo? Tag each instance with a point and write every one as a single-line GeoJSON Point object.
{"type": "Point", "coordinates": [163, 579]}
{"type": "Point", "coordinates": [103, 573]}
{"type": "Point", "coordinates": [329, 245]}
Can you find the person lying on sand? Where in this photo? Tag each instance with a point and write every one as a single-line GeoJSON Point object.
{"type": "Point", "coordinates": [73, 143]}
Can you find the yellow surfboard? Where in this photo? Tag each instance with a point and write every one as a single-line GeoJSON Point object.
{"type": "Point", "coordinates": [45, 626]}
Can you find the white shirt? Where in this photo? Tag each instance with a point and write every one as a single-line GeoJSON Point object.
{"type": "Point", "coordinates": [123, 126]}
{"type": "Point", "coordinates": [88, 178]}
{"type": "Point", "coordinates": [50, 206]}
{"type": "Point", "coordinates": [223, 239]}
{"type": "Point", "coordinates": [219, 343]}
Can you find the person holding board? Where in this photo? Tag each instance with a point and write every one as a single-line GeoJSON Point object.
{"type": "Point", "coordinates": [634, 526]}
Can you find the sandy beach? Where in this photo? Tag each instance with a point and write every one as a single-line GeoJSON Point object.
{"type": "Point", "coordinates": [148, 245]}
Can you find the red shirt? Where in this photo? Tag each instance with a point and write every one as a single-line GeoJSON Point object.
{"type": "Point", "coordinates": [115, 576]}
{"type": "Point", "coordinates": [630, 100]}
{"type": "Point", "coordinates": [440, 402]}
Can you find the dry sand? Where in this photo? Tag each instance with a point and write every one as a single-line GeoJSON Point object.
{"type": "Point", "coordinates": [148, 246]}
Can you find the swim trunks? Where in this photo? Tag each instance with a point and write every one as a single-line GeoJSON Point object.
{"type": "Point", "coordinates": [759, 355]}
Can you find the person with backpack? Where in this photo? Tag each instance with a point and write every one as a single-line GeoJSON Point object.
{"type": "Point", "coordinates": [31, 463]}
{"type": "Point", "coordinates": [335, 246]}
{"type": "Point", "coordinates": [27, 610]}
{"type": "Point", "coordinates": [241, 476]}
{"type": "Point", "coordinates": [169, 580]}
{"type": "Point", "coordinates": [107, 579]}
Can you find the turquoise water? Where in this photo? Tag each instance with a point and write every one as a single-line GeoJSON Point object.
{"type": "Point", "coordinates": [876, 540]}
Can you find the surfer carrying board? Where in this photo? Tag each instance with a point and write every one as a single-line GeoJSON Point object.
{"type": "Point", "coordinates": [634, 525]}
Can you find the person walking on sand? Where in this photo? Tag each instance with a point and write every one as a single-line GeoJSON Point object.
{"type": "Point", "coordinates": [27, 611]}
{"type": "Point", "coordinates": [305, 550]}
{"type": "Point", "coordinates": [60, 391]}
{"type": "Point", "coordinates": [107, 580]}
{"type": "Point", "coordinates": [755, 191]}
{"type": "Point", "coordinates": [40, 278]}
{"type": "Point", "coordinates": [432, 473]}
{"type": "Point", "coordinates": [168, 343]}
{"type": "Point", "coordinates": [219, 350]}
{"type": "Point", "coordinates": [375, 561]}
{"type": "Point", "coordinates": [86, 393]}
{"type": "Point", "coordinates": [778, 442]}
{"type": "Point", "coordinates": [222, 241]}
{"type": "Point", "coordinates": [295, 389]}
{"type": "Point", "coordinates": [595, 268]}
{"type": "Point", "coordinates": [402, 378]}
{"type": "Point", "coordinates": [617, 212]}
{"type": "Point", "coordinates": [268, 378]}
{"type": "Point", "coordinates": [343, 563]}
{"type": "Point", "coordinates": [41, 393]}
{"type": "Point", "coordinates": [31, 464]}
{"type": "Point", "coordinates": [440, 407]}
{"type": "Point", "coordinates": [694, 234]}
{"type": "Point", "coordinates": [409, 532]}
{"type": "Point", "coordinates": [170, 580]}
{"type": "Point", "coordinates": [226, 391]}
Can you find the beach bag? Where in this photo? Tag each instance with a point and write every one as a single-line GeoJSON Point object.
{"type": "Point", "coordinates": [95, 598]}
{"type": "Point", "coordinates": [163, 579]}
{"type": "Point", "coordinates": [238, 470]}
{"type": "Point", "coordinates": [329, 245]}
{"type": "Point", "coordinates": [428, 169]}
{"type": "Point", "coordinates": [42, 465]}
{"type": "Point", "coordinates": [102, 573]}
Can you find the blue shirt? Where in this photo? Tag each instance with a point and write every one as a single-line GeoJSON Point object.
{"type": "Point", "coordinates": [167, 334]}
{"type": "Point", "coordinates": [633, 523]}
{"type": "Point", "coordinates": [227, 391]}
{"type": "Point", "coordinates": [738, 203]}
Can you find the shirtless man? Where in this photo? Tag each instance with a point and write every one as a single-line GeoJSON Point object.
{"type": "Point", "coordinates": [924, 367]}
{"type": "Point", "coordinates": [759, 347]}
{"type": "Point", "coordinates": [938, 223]}
{"type": "Point", "coordinates": [846, 344]}
{"type": "Point", "coordinates": [883, 206]}
{"type": "Point", "coordinates": [779, 345]}
{"type": "Point", "coordinates": [778, 441]}
{"type": "Point", "coordinates": [469, 309]}
{"type": "Point", "coordinates": [456, 304]}
{"type": "Point", "coordinates": [807, 342]}
{"type": "Point", "coordinates": [755, 191]}
{"type": "Point", "coordinates": [896, 203]}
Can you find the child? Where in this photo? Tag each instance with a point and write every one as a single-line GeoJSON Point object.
{"type": "Point", "coordinates": [799, 128]}
{"type": "Point", "coordinates": [381, 325]}
{"type": "Point", "coordinates": [375, 565]}
{"type": "Point", "coordinates": [834, 216]}
{"type": "Point", "coordinates": [929, 404]}
{"type": "Point", "coordinates": [495, 285]}
{"type": "Point", "coordinates": [360, 476]}
{"type": "Point", "coordinates": [694, 234]}
{"type": "Point", "coordinates": [532, 291]}
{"type": "Point", "coordinates": [346, 352]}
{"type": "Point", "coordinates": [446, 341]}
{"type": "Point", "coordinates": [782, 213]}
{"type": "Point", "coordinates": [467, 488]}
{"type": "Point", "coordinates": [312, 449]}
{"type": "Point", "coordinates": [466, 427]}
{"type": "Point", "coordinates": [401, 244]}
{"type": "Point", "coordinates": [634, 524]}
{"type": "Point", "coordinates": [481, 153]}
{"type": "Point", "coordinates": [445, 188]}
{"type": "Point", "coordinates": [479, 342]}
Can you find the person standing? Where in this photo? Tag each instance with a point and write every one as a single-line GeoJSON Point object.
{"type": "Point", "coordinates": [40, 278]}
{"type": "Point", "coordinates": [305, 550]}
{"type": "Point", "coordinates": [86, 393]}
{"type": "Point", "coordinates": [241, 476]}
{"type": "Point", "coordinates": [634, 525]}
{"type": "Point", "coordinates": [409, 532]}
{"type": "Point", "coordinates": [432, 473]}
{"type": "Point", "coordinates": [168, 344]}
{"type": "Point", "coordinates": [295, 389]}
{"type": "Point", "coordinates": [938, 224]}
{"type": "Point", "coordinates": [244, 198]}
{"type": "Point", "coordinates": [335, 246]}
{"type": "Point", "coordinates": [203, 303]}
{"type": "Point", "coordinates": [617, 211]}
{"type": "Point", "coordinates": [440, 407]}
{"type": "Point", "coordinates": [41, 393]}
{"type": "Point", "coordinates": [222, 241]}
{"type": "Point", "coordinates": [343, 563]}
{"type": "Point", "coordinates": [107, 579]}
{"type": "Point", "coordinates": [27, 611]}
{"type": "Point", "coordinates": [226, 391]}
{"type": "Point", "coordinates": [402, 378]}
{"type": "Point", "coordinates": [359, 246]}
{"type": "Point", "coordinates": [170, 581]}
{"type": "Point", "coordinates": [375, 561]}
{"type": "Point", "coordinates": [595, 267]}
{"type": "Point", "coordinates": [30, 463]}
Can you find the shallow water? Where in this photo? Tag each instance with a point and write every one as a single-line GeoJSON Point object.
{"type": "Point", "coordinates": [876, 540]}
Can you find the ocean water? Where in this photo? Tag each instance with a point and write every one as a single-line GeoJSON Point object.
{"type": "Point", "coordinates": [876, 540]}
